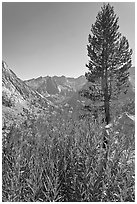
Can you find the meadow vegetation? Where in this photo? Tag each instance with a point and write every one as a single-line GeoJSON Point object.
{"type": "Point", "coordinates": [55, 159]}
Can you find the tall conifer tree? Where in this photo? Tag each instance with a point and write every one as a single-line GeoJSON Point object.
{"type": "Point", "coordinates": [109, 59]}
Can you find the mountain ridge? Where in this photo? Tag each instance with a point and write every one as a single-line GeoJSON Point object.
{"type": "Point", "coordinates": [56, 89]}
{"type": "Point", "coordinates": [35, 97]}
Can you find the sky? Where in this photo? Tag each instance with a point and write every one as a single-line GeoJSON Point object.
{"type": "Point", "coordinates": [50, 38]}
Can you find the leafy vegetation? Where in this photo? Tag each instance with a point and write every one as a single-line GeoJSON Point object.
{"type": "Point", "coordinates": [55, 159]}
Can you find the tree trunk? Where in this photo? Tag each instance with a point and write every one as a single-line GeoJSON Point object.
{"type": "Point", "coordinates": [106, 101]}
{"type": "Point", "coordinates": [107, 120]}
{"type": "Point", "coordinates": [106, 107]}
{"type": "Point", "coordinates": [106, 97]}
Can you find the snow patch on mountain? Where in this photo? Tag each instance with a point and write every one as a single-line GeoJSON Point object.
{"type": "Point", "coordinates": [59, 88]}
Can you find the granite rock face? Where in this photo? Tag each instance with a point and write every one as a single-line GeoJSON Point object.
{"type": "Point", "coordinates": [14, 90]}
{"type": "Point", "coordinates": [18, 99]}
{"type": "Point", "coordinates": [57, 87]}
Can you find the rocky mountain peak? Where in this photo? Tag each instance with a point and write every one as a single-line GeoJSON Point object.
{"type": "Point", "coordinates": [4, 65]}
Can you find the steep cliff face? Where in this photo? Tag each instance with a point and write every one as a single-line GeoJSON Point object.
{"type": "Point", "coordinates": [13, 89]}
{"type": "Point", "coordinates": [16, 91]}
{"type": "Point", "coordinates": [51, 86]}
{"type": "Point", "coordinates": [18, 99]}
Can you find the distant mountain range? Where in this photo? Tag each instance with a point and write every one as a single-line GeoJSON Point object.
{"type": "Point", "coordinates": [43, 93]}
{"type": "Point", "coordinates": [57, 89]}
{"type": "Point", "coordinates": [65, 89]}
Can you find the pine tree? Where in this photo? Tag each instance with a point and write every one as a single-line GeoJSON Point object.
{"type": "Point", "coordinates": [109, 60]}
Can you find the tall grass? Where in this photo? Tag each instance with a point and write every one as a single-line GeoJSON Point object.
{"type": "Point", "coordinates": [58, 160]}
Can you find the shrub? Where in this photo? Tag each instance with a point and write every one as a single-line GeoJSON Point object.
{"type": "Point", "coordinates": [58, 160]}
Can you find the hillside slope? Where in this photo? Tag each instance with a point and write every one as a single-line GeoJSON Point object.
{"type": "Point", "coordinates": [18, 99]}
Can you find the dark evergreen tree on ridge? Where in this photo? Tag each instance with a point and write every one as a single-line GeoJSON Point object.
{"type": "Point", "coordinates": [110, 60]}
